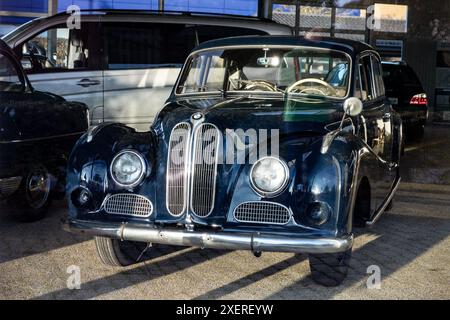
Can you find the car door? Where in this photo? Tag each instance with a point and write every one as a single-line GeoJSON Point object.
{"type": "Point", "coordinates": [66, 62]}
{"type": "Point", "coordinates": [143, 61]}
{"type": "Point", "coordinates": [377, 126]}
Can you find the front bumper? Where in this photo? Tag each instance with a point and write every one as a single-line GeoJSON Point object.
{"type": "Point", "coordinates": [255, 242]}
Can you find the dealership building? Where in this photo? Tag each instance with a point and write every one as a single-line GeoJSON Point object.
{"type": "Point", "coordinates": [414, 31]}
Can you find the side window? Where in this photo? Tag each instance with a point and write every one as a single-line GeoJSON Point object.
{"type": "Point", "coordinates": [378, 77]}
{"type": "Point", "coordinates": [364, 84]}
{"type": "Point", "coordinates": [9, 76]}
{"type": "Point", "coordinates": [59, 49]}
{"type": "Point", "coordinates": [147, 45]}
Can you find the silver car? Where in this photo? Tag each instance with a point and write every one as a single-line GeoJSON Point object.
{"type": "Point", "coordinates": [122, 64]}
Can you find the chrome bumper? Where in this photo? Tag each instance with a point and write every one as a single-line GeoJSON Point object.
{"type": "Point", "coordinates": [255, 242]}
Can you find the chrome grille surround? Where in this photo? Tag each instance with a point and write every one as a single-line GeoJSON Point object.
{"type": "Point", "coordinates": [9, 185]}
{"type": "Point", "coordinates": [177, 169]}
{"type": "Point", "coordinates": [205, 159]}
{"type": "Point", "coordinates": [262, 212]}
{"type": "Point", "coordinates": [128, 204]}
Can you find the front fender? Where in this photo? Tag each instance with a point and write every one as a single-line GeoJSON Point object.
{"type": "Point", "coordinates": [330, 179]}
{"type": "Point", "coordinates": [89, 162]}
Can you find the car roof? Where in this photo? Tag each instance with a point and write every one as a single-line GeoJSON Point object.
{"type": "Point", "coordinates": [165, 12]}
{"type": "Point", "coordinates": [201, 18]}
{"type": "Point", "coordinates": [351, 47]}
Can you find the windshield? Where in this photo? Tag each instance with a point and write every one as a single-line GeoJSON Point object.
{"type": "Point", "coordinates": [302, 71]}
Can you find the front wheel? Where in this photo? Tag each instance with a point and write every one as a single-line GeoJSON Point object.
{"type": "Point", "coordinates": [33, 198]}
{"type": "Point", "coordinates": [117, 253]}
{"type": "Point", "coordinates": [330, 269]}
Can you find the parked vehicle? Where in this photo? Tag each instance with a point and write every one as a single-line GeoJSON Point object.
{"type": "Point", "coordinates": [37, 133]}
{"type": "Point", "coordinates": [407, 97]}
{"type": "Point", "coordinates": [121, 60]}
{"type": "Point", "coordinates": [325, 159]}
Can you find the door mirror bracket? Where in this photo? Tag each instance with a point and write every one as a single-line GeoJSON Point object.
{"type": "Point", "coordinates": [352, 107]}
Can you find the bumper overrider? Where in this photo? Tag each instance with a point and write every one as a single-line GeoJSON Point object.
{"type": "Point", "coordinates": [232, 240]}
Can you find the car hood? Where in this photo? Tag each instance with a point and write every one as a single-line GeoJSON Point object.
{"type": "Point", "coordinates": [247, 112]}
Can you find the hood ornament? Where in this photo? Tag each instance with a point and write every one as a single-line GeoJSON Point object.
{"type": "Point", "coordinates": [197, 116]}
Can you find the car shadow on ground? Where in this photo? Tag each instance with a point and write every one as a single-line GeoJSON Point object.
{"type": "Point", "coordinates": [399, 241]}
{"type": "Point", "coordinates": [391, 249]}
{"type": "Point", "coordinates": [24, 239]}
{"type": "Point", "coordinates": [145, 271]}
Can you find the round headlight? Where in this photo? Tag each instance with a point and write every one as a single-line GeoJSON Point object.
{"type": "Point", "coordinates": [269, 176]}
{"type": "Point", "coordinates": [128, 168]}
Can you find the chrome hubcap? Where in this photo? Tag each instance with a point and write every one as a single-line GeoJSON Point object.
{"type": "Point", "coordinates": [38, 188]}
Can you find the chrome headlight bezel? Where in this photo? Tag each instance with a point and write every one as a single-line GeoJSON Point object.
{"type": "Point", "coordinates": [274, 193]}
{"type": "Point", "coordinates": [141, 174]}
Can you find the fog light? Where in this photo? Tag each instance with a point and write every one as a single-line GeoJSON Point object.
{"type": "Point", "coordinates": [318, 213]}
{"type": "Point", "coordinates": [84, 197]}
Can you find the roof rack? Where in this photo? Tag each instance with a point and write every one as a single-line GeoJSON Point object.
{"type": "Point", "coordinates": [182, 13]}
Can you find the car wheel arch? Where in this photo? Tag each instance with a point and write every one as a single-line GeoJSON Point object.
{"type": "Point", "coordinates": [362, 203]}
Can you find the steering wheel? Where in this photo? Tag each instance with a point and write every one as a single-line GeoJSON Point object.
{"type": "Point", "coordinates": [313, 80]}
{"type": "Point", "coordinates": [263, 84]}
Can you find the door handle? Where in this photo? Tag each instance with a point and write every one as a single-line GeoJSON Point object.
{"type": "Point", "coordinates": [88, 82]}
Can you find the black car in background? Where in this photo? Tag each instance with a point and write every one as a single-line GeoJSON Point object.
{"type": "Point", "coordinates": [407, 96]}
{"type": "Point", "coordinates": [37, 132]}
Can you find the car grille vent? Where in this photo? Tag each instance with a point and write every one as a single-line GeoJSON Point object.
{"type": "Point", "coordinates": [128, 204]}
{"type": "Point", "coordinates": [262, 212]}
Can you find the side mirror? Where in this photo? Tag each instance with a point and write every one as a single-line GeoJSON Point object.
{"type": "Point", "coordinates": [353, 107]}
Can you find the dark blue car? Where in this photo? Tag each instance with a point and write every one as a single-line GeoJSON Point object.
{"type": "Point", "coordinates": [254, 150]}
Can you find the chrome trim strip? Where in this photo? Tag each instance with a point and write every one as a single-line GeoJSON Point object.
{"type": "Point", "coordinates": [337, 201]}
{"type": "Point", "coordinates": [44, 138]}
{"type": "Point", "coordinates": [252, 241]}
{"type": "Point", "coordinates": [211, 184]}
{"type": "Point", "coordinates": [186, 155]}
{"type": "Point", "coordinates": [264, 202]}
{"type": "Point", "coordinates": [380, 211]}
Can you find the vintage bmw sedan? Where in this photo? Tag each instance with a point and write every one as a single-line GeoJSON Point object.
{"type": "Point", "coordinates": [37, 132]}
{"type": "Point", "coordinates": [278, 144]}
